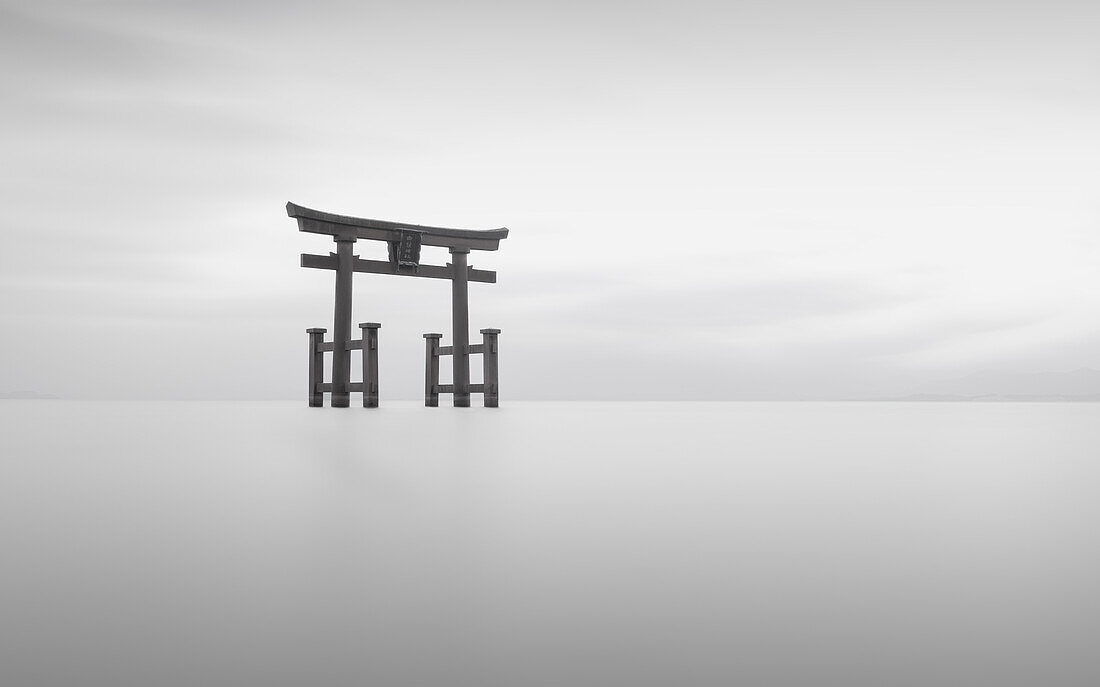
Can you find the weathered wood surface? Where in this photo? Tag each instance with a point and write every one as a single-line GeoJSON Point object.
{"type": "Point", "coordinates": [341, 325]}
{"type": "Point", "coordinates": [316, 366]}
{"type": "Point", "coordinates": [490, 372]}
{"type": "Point", "coordinates": [331, 262]}
{"type": "Point", "coordinates": [460, 330]}
{"type": "Point", "coordinates": [350, 387]}
{"type": "Point", "coordinates": [471, 349]}
{"type": "Point", "coordinates": [431, 369]}
{"type": "Point", "coordinates": [450, 388]}
{"type": "Point", "coordinates": [369, 346]}
{"type": "Point", "coordinates": [330, 346]}
{"type": "Point", "coordinates": [318, 222]}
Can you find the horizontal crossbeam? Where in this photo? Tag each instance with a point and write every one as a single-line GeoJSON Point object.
{"type": "Point", "coordinates": [331, 262]}
{"type": "Point", "coordinates": [471, 348]}
{"type": "Point", "coordinates": [356, 387]}
{"type": "Point", "coordinates": [330, 346]}
{"type": "Point", "coordinates": [450, 388]}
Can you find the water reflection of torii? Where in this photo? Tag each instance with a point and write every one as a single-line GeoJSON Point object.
{"type": "Point", "coordinates": [404, 245]}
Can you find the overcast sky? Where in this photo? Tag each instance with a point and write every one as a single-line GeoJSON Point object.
{"type": "Point", "coordinates": [706, 199]}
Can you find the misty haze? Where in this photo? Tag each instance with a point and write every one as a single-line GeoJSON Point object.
{"type": "Point", "coordinates": [799, 343]}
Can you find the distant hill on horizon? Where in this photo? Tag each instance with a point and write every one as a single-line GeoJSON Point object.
{"type": "Point", "coordinates": [1031, 398]}
{"type": "Point", "coordinates": [1080, 385]}
{"type": "Point", "coordinates": [26, 396]}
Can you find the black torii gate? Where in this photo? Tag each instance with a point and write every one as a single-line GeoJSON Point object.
{"type": "Point", "coordinates": [404, 242]}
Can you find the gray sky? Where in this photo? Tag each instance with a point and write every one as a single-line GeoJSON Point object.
{"type": "Point", "coordinates": [707, 200]}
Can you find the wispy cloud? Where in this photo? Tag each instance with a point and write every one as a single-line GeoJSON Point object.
{"type": "Point", "coordinates": [789, 198]}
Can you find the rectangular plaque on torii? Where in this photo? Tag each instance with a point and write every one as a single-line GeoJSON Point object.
{"type": "Point", "coordinates": [404, 244]}
{"type": "Point", "coordinates": [405, 252]}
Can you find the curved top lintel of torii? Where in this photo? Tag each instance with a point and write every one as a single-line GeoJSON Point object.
{"type": "Point", "coordinates": [343, 226]}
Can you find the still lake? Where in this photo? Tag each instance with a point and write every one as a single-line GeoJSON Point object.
{"type": "Point", "coordinates": [564, 544]}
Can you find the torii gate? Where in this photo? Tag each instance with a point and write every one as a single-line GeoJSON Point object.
{"type": "Point", "coordinates": [404, 242]}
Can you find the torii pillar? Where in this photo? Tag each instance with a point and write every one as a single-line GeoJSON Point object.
{"type": "Point", "coordinates": [341, 324]}
{"type": "Point", "coordinates": [460, 323]}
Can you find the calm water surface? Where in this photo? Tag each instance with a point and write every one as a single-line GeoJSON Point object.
{"type": "Point", "coordinates": [548, 544]}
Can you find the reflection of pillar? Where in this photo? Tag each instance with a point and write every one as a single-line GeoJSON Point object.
{"type": "Point", "coordinates": [489, 362]}
{"type": "Point", "coordinates": [460, 324]}
{"type": "Point", "coordinates": [316, 367]}
{"type": "Point", "coordinates": [431, 369]}
{"type": "Point", "coordinates": [370, 363]}
{"type": "Point", "coordinates": [341, 325]}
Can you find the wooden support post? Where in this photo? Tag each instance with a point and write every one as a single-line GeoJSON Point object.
{"type": "Point", "coordinates": [370, 363]}
{"type": "Point", "coordinates": [341, 326]}
{"type": "Point", "coordinates": [316, 367]}
{"type": "Point", "coordinates": [460, 325]}
{"type": "Point", "coordinates": [431, 370]}
{"type": "Point", "coordinates": [491, 377]}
